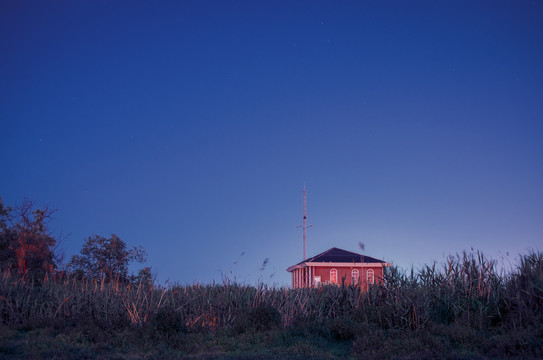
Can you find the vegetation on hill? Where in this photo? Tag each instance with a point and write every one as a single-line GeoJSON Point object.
{"type": "Point", "coordinates": [464, 308]}
{"type": "Point", "coordinates": [460, 310]}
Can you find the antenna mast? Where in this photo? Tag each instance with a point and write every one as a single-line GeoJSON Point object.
{"type": "Point", "coordinates": [305, 221]}
{"type": "Point", "coordinates": [304, 225]}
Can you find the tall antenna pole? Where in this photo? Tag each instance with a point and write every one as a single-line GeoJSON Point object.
{"type": "Point", "coordinates": [304, 225]}
{"type": "Point", "coordinates": [305, 220]}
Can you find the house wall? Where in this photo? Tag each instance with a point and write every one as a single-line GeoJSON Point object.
{"type": "Point", "coordinates": [302, 277]}
{"type": "Point", "coordinates": [344, 273]}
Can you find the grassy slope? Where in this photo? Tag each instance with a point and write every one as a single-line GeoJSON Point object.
{"type": "Point", "coordinates": [460, 310]}
{"type": "Point", "coordinates": [445, 342]}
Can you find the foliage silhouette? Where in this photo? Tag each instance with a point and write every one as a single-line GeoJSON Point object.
{"type": "Point", "coordinates": [26, 244]}
{"type": "Point", "coordinates": [106, 258]}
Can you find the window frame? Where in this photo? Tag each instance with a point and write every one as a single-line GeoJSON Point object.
{"type": "Point", "coordinates": [370, 276]}
{"type": "Point", "coordinates": [333, 276]}
{"type": "Point", "coordinates": [355, 276]}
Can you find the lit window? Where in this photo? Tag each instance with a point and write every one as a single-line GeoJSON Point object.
{"type": "Point", "coordinates": [333, 276]}
{"type": "Point", "coordinates": [355, 275]}
{"type": "Point", "coordinates": [371, 276]}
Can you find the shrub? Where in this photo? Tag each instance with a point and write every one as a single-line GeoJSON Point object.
{"type": "Point", "coordinates": [260, 318]}
{"type": "Point", "coordinates": [168, 322]}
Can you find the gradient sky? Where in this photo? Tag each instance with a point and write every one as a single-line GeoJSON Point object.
{"type": "Point", "coordinates": [189, 128]}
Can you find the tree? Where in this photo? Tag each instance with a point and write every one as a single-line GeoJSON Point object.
{"type": "Point", "coordinates": [109, 258]}
{"type": "Point", "coordinates": [26, 244]}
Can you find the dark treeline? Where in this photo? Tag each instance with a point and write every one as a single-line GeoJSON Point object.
{"type": "Point", "coordinates": [28, 249]}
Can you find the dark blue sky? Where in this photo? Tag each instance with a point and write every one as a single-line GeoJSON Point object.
{"type": "Point", "coordinates": [189, 128]}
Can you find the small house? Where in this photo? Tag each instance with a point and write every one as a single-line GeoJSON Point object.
{"type": "Point", "coordinates": [337, 266]}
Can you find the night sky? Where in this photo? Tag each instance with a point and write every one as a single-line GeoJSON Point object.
{"type": "Point", "coordinates": [189, 128]}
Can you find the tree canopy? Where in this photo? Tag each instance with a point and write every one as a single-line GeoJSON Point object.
{"type": "Point", "coordinates": [28, 248]}
{"type": "Point", "coordinates": [105, 257]}
{"type": "Point", "coordinates": [26, 244]}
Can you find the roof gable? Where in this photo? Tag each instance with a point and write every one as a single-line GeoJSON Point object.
{"type": "Point", "coordinates": [341, 256]}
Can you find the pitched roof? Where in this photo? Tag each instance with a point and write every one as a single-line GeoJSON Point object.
{"type": "Point", "coordinates": [341, 256]}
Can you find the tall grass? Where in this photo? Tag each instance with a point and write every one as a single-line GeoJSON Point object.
{"type": "Point", "coordinates": [467, 291]}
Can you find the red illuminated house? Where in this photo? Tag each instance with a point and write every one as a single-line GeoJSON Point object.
{"type": "Point", "coordinates": [337, 266]}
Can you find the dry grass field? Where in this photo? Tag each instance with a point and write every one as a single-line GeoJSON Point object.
{"type": "Point", "coordinates": [462, 309]}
